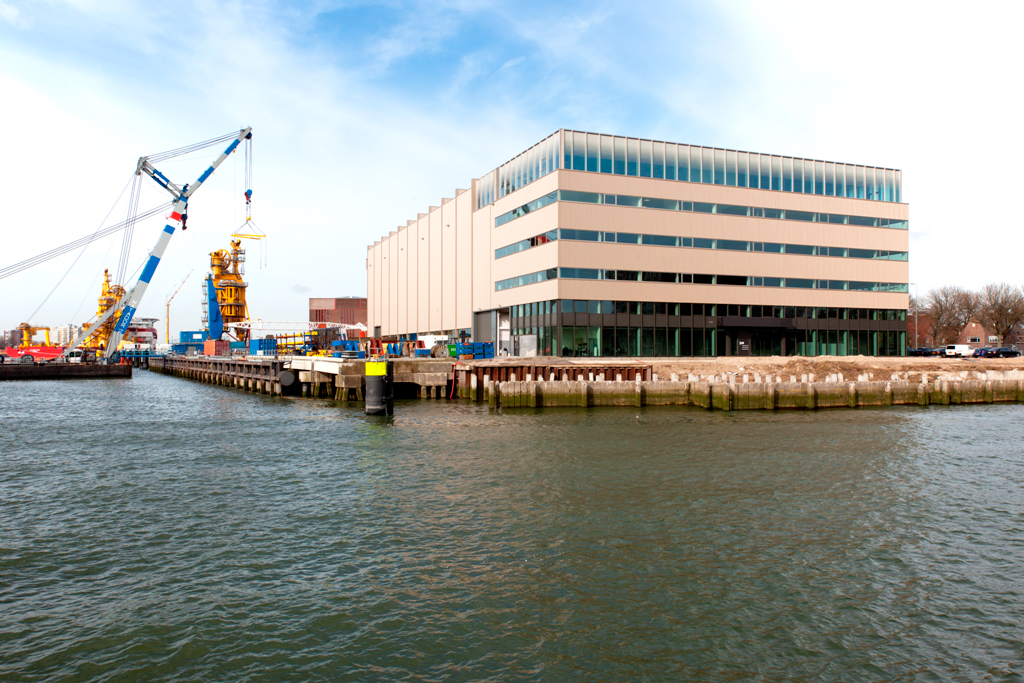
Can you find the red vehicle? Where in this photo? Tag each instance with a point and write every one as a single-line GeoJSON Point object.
{"type": "Point", "coordinates": [33, 352]}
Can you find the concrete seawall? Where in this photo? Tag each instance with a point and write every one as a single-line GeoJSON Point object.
{"type": "Point", "coordinates": [747, 396]}
{"type": "Point", "coordinates": [23, 371]}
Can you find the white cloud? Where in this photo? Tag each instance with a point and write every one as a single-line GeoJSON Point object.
{"type": "Point", "coordinates": [342, 155]}
{"type": "Point", "coordinates": [9, 14]}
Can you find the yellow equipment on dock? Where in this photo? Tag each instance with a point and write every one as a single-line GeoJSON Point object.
{"type": "Point", "coordinates": [109, 296]}
{"type": "Point", "coordinates": [28, 332]}
{"type": "Point", "coordinates": [227, 271]}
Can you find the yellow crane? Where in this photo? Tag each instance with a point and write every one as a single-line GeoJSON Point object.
{"type": "Point", "coordinates": [167, 317]}
{"type": "Point", "coordinates": [109, 297]}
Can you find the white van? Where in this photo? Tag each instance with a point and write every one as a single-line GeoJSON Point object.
{"type": "Point", "coordinates": [76, 356]}
{"type": "Point", "coordinates": [959, 350]}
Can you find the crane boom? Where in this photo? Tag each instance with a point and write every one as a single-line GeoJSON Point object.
{"type": "Point", "coordinates": [178, 215]}
{"type": "Point", "coordinates": [167, 317]}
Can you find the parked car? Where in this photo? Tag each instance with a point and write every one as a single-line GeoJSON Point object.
{"type": "Point", "coordinates": [1005, 352]}
{"type": "Point", "coordinates": [923, 351]}
{"type": "Point", "coordinates": [980, 353]}
{"type": "Point", "coordinates": [959, 351]}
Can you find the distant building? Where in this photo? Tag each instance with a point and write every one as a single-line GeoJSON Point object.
{"type": "Point", "coordinates": [348, 310]}
{"type": "Point", "coordinates": [974, 335]}
{"type": "Point", "coordinates": [65, 334]}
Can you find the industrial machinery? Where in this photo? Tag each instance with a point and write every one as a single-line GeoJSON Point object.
{"type": "Point", "coordinates": [28, 350]}
{"type": "Point", "coordinates": [128, 303]}
{"type": "Point", "coordinates": [224, 293]}
{"type": "Point", "coordinates": [108, 299]}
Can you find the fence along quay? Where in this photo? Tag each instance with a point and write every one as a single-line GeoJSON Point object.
{"type": "Point", "coordinates": [521, 383]}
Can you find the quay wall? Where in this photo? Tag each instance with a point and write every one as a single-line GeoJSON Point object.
{"type": "Point", "coordinates": [632, 385]}
{"type": "Point", "coordinates": [746, 396]}
{"type": "Point", "coordinates": [305, 377]}
{"type": "Point", "coordinates": [25, 371]}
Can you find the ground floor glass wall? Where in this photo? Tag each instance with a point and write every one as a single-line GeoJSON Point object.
{"type": "Point", "coordinates": [748, 330]}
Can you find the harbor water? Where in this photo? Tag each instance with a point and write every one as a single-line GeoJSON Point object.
{"type": "Point", "coordinates": [165, 530]}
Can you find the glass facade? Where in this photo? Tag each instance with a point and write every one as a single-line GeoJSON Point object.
{"type": "Point", "coordinates": [643, 328]}
{"type": "Point", "coordinates": [566, 273]}
{"type": "Point", "coordinates": [654, 159]}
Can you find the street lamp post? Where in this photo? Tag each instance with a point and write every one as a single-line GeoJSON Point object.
{"type": "Point", "coordinates": [917, 305]}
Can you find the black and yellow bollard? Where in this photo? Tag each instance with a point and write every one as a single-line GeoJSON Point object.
{"type": "Point", "coordinates": [380, 381]}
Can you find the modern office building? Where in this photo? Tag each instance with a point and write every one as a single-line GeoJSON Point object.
{"type": "Point", "coordinates": [591, 244]}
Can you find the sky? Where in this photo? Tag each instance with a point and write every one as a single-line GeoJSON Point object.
{"type": "Point", "coordinates": [366, 113]}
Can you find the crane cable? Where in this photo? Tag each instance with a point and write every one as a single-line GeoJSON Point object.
{"type": "Point", "coordinates": [170, 154]}
{"type": "Point", "coordinates": [77, 257]}
{"type": "Point", "coordinates": [16, 268]}
{"type": "Point", "coordinates": [249, 222]}
{"type": "Point", "coordinates": [126, 238]}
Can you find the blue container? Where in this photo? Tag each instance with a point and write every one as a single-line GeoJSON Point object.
{"type": "Point", "coordinates": [264, 345]}
{"type": "Point", "coordinates": [360, 354]}
{"type": "Point", "coordinates": [192, 337]}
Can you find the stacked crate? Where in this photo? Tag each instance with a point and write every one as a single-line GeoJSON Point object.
{"type": "Point", "coordinates": [345, 348]}
{"type": "Point", "coordinates": [475, 350]}
{"type": "Point", "coordinates": [262, 347]}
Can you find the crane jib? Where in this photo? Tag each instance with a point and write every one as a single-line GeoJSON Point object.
{"type": "Point", "coordinates": [147, 273]}
{"type": "Point", "coordinates": [125, 320]}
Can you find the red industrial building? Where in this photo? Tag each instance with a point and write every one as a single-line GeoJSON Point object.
{"type": "Point", "coordinates": [348, 310]}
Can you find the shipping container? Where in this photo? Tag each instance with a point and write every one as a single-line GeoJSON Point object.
{"type": "Point", "coordinates": [217, 347]}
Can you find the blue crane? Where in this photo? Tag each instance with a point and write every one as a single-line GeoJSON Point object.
{"type": "Point", "coordinates": [129, 302]}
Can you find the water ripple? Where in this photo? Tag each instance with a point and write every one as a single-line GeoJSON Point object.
{"type": "Point", "coordinates": [168, 530]}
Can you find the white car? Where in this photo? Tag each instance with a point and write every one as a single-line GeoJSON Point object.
{"type": "Point", "coordinates": [959, 350]}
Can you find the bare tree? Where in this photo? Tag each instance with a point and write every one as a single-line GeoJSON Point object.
{"type": "Point", "coordinates": [1000, 309]}
{"type": "Point", "coordinates": [951, 309]}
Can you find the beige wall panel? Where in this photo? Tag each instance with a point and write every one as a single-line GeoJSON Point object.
{"type": "Point", "coordinates": [541, 291]}
{"type": "Point", "coordinates": [528, 226]}
{"type": "Point", "coordinates": [483, 258]}
{"type": "Point", "coordinates": [403, 280]}
{"type": "Point", "coordinates": [371, 294]}
{"type": "Point", "coordinates": [712, 261]}
{"type": "Point", "coordinates": [385, 318]}
{"type": "Point", "coordinates": [435, 300]}
{"type": "Point", "coordinates": [423, 276]}
{"type": "Point", "coordinates": [533, 260]}
{"type": "Point", "coordinates": [525, 195]}
{"type": "Point", "coordinates": [464, 260]}
{"type": "Point", "coordinates": [413, 287]}
{"type": "Point", "coordinates": [381, 267]}
{"type": "Point", "coordinates": [698, 192]}
{"type": "Point", "coordinates": [714, 294]}
{"type": "Point", "coordinates": [392, 256]}
{"type": "Point", "coordinates": [688, 224]}
{"type": "Point", "coordinates": [449, 232]}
